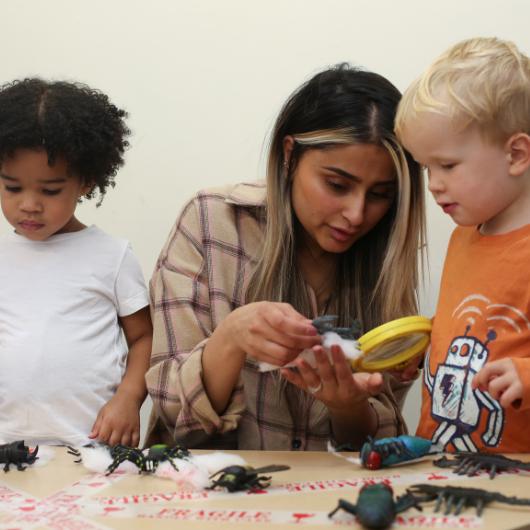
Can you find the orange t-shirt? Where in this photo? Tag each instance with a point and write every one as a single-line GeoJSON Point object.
{"type": "Point", "coordinates": [483, 314]}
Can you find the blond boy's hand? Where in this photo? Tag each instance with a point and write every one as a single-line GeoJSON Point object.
{"type": "Point", "coordinates": [501, 380]}
{"type": "Point", "coordinates": [118, 421]}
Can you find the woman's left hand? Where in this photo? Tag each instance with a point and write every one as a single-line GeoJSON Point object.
{"type": "Point", "coordinates": [333, 383]}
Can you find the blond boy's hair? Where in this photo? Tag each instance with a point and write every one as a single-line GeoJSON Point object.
{"type": "Point", "coordinates": [481, 81]}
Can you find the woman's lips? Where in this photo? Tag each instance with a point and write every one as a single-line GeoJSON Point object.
{"type": "Point", "coordinates": [341, 235]}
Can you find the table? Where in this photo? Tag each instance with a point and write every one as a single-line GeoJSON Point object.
{"type": "Point", "coordinates": [63, 495]}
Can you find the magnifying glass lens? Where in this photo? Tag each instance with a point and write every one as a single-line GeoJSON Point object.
{"type": "Point", "coordinates": [393, 347]}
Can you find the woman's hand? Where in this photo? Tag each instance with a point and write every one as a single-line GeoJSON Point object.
{"type": "Point", "coordinates": [334, 383]}
{"type": "Point", "coordinates": [344, 393]}
{"type": "Point", "coordinates": [271, 332]}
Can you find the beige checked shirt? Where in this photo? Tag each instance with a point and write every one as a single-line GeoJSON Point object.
{"type": "Point", "coordinates": [200, 277]}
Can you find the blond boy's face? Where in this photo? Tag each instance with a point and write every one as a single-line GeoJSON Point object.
{"type": "Point", "coordinates": [469, 176]}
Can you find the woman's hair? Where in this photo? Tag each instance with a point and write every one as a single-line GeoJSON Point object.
{"type": "Point", "coordinates": [483, 81]}
{"type": "Point", "coordinates": [377, 277]}
{"type": "Point", "coordinates": [68, 120]}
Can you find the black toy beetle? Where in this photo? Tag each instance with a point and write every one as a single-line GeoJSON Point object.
{"type": "Point", "coordinates": [17, 453]}
{"type": "Point", "coordinates": [238, 478]}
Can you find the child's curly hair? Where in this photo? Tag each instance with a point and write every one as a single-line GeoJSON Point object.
{"type": "Point", "coordinates": [68, 120]}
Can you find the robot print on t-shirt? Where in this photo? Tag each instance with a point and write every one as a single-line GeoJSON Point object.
{"type": "Point", "coordinates": [455, 406]}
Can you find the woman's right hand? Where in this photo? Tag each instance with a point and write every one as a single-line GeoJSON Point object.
{"type": "Point", "coordinates": [271, 332]}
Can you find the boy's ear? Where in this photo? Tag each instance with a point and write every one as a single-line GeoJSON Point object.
{"type": "Point", "coordinates": [518, 153]}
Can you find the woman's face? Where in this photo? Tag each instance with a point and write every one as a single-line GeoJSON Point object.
{"type": "Point", "coordinates": [340, 193]}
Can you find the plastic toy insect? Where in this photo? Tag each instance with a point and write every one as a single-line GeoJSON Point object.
{"type": "Point", "coordinates": [324, 324]}
{"type": "Point", "coordinates": [17, 454]}
{"type": "Point", "coordinates": [376, 454]}
{"type": "Point", "coordinates": [376, 507]}
{"type": "Point", "coordinates": [460, 498]}
{"type": "Point", "coordinates": [239, 478]}
{"type": "Point", "coordinates": [146, 461]}
{"type": "Point", "coordinates": [121, 453]}
{"type": "Point", "coordinates": [471, 463]}
{"type": "Point", "coordinates": [161, 453]}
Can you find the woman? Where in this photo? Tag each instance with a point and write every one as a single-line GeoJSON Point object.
{"type": "Point", "coordinates": [335, 230]}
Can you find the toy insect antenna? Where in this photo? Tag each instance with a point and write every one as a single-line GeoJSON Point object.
{"type": "Point", "coordinates": [271, 469]}
{"type": "Point", "coordinates": [459, 498]}
{"type": "Point", "coordinates": [471, 463]}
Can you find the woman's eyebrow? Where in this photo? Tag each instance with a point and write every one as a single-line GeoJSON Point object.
{"type": "Point", "coordinates": [347, 175]}
{"type": "Point", "coordinates": [7, 177]}
{"type": "Point", "coordinates": [342, 173]}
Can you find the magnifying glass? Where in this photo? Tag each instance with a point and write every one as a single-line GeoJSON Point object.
{"type": "Point", "coordinates": [389, 345]}
{"type": "Point", "coordinates": [394, 343]}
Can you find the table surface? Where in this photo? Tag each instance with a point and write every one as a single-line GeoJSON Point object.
{"type": "Point", "coordinates": [63, 495]}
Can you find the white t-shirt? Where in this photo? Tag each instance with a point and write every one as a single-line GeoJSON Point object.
{"type": "Point", "coordinates": [62, 352]}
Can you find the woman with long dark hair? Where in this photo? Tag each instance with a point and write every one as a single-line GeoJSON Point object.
{"type": "Point", "coordinates": [336, 229]}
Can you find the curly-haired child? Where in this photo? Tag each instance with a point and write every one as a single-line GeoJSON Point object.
{"type": "Point", "coordinates": [75, 329]}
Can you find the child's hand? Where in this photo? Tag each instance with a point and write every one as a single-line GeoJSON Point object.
{"type": "Point", "coordinates": [408, 371]}
{"type": "Point", "coordinates": [501, 380]}
{"type": "Point", "coordinates": [118, 421]}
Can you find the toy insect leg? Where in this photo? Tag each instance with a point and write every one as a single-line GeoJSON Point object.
{"type": "Point", "coordinates": [343, 505]}
{"type": "Point", "coordinates": [119, 459]}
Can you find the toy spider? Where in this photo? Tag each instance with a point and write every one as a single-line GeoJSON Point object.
{"type": "Point", "coordinates": [17, 453]}
{"type": "Point", "coordinates": [324, 323]}
{"type": "Point", "coordinates": [146, 461]}
{"type": "Point", "coordinates": [121, 453]}
{"type": "Point", "coordinates": [471, 463]}
{"type": "Point", "coordinates": [376, 454]}
{"type": "Point", "coordinates": [238, 478]}
{"type": "Point", "coordinates": [376, 507]}
{"type": "Point", "coordinates": [160, 453]}
{"type": "Point", "coordinates": [459, 498]}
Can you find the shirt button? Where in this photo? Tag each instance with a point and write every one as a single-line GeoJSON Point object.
{"type": "Point", "coordinates": [296, 443]}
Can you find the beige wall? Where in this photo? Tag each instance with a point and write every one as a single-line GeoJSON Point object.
{"type": "Point", "coordinates": [203, 81]}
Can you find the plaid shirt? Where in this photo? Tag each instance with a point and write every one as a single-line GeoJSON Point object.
{"type": "Point", "coordinates": [201, 276]}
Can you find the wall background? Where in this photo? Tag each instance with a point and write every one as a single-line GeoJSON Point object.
{"type": "Point", "coordinates": [204, 80]}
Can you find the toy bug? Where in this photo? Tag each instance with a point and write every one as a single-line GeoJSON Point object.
{"type": "Point", "coordinates": [18, 454]}
{"type": "Point", "coordinates": [471, 463]}
{"type": "Point", "coordinates": [376, 507]}
{"type": "Point", "coordinates": [238, 478]}
{"type": "Point", "coordinates": [324, 324]}
{"type": "Point", "coordinates": [147, 461]}
{"type": "Point", "coordinates": [121, 453]}
{"type": "Point", "coordinates": [460, 498]}
{"type": "Point", "coordinates": [161, 453]}
{"type": "Point", "coordinates": [376, 454]}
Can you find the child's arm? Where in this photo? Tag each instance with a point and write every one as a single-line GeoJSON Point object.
{"type": "Point", "coordinates": [501, 380]}
{"type": "Point", "coordinates": [118, 421]}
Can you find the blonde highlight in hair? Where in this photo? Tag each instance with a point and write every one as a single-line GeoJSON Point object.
{"type": "Point", "coordinates": [481, 81]}
{"type": "Point", "coordinates": [377, 278]}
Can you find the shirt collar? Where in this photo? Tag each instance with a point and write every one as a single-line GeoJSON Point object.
{"type": "Point", "coordinates": [248, 194]}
